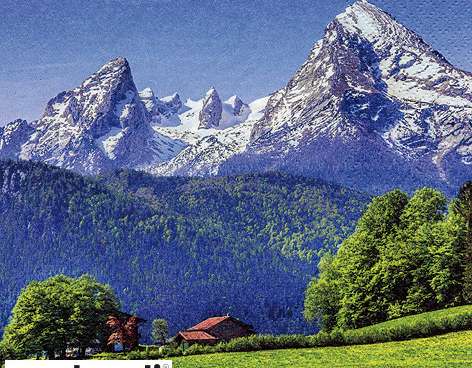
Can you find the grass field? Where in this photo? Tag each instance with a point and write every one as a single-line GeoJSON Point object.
{"type": "Point", "coordinates": [450, 350]}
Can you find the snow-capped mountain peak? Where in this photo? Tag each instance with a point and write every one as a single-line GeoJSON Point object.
{"type": "Point", "coordinates": [210, 115]}
{"type": "Point", "coordinates": [149, 100]}
{"type": "Point", "coordinates": [209, 147]}
{"type": "Point", "coordinates": [211, 91]}
{"type": "Point", "coordinates": [236, 103]}
{"type": "Point", "coordinates": [96, 126]}
{"type": "Point", "coordinates": [370, 22]}
{"type": "Point", "coordinates": [374, 96]}
{"type": "Point", "coordinates": [373, 107]}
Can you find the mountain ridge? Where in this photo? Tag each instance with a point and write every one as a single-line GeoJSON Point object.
{"type": "Point", "coordinates": [373, 107]}
{"type": "Point", "coordinates": [350, 95]}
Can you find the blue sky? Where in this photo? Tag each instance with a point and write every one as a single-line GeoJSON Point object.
{"type": "Point", "coordinates": [249, 48]}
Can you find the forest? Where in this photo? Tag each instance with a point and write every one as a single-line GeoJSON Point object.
{"type": "Point", "coordinates": [181, 249]}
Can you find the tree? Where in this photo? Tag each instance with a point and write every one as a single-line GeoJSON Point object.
{"type": "Point", "coordinates": [57, 313]}
{"type": "Point", "coordinates": [322, 295]}
{"type": "Point", "coordinates": [404, 257]}
{"type": "Point", "coordinates": [6, 353]}
{"type": "Point", "coordinates": [92, 304]}
{"type": "Point", "coordinates": [124, 331]}
{"type": "Point", "coordinates": [463, 206]}
{"type": "Point", "coordinates": [359, 257]}
{"type": "Point", "coordinates": [160, 330]}
{"type": "Point", "coordinates": [446, 260]}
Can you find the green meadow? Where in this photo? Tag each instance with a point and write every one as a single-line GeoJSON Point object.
{"type": "Point", "coordinates": [449, 350]}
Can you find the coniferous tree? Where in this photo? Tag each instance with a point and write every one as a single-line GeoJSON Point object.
{"type": "Point", "coordinates": [258, 233]}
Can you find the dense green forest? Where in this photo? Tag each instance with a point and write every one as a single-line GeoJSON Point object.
{"type": "Point", "coordinates": [407, 255]}
{"type": "Point", "coordinates": [181, 249]}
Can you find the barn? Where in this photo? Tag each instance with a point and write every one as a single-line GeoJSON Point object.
{"type": "Point", "coordinates": [214, 330]}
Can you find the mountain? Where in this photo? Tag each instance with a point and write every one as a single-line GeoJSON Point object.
{"type": "Point", "coordinates": [106, 124]}
{"type": "Point", "coordinates": [208, 149]}
{"type": "Point", "coordinates": [93, 128]}
{"type": "Point", "coordinates": [210, 114]}
{"type": "Point", "coordinates": [162, 111]}
{"type": "Point", "coordinates": [12, 136]}
{"type": "Point", "coordinates": [178, 248]}
{"type": "Point", "coordinates": [373, 107]}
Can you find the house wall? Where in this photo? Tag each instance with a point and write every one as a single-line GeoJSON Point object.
{"type": "Point", "coordinates": [227, 330]}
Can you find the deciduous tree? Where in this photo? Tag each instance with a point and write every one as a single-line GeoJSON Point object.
{"type": "Point", "coordinates": [59, 313]}
{"type": "Point", "coordinates": [160, 330]}
{"type": "Point", "coordinates": [463, 206]}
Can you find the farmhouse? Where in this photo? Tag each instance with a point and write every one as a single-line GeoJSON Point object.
{"type": "Point", "coordinates": [214, 330]}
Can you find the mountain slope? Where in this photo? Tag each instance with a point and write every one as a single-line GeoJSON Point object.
{"type": "Point", "coordinates": [177, 248]}
{"type": "Point", "coordinates": [373, 107]}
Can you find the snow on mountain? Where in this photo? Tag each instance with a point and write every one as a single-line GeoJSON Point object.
{"type": "Point", "coordinates": [12, 136]}
{"type": "Point", "coordinates": [100, 125]}
{"type": "Point", "coordinates": [105, 124]}
{"type": "Point", "coordinates": [164, 111]}
{"type": "Point", "coordinates": [210, 114]}
{"type": "Point", "coordinates": [373, 107]}
{"type": "Point", "coordinates": [209, 148]}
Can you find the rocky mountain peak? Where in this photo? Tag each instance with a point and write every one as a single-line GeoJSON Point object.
{"type": "Point", "coordinates": [149, 100]}
{"type": "Point", "coordinates": [147, 93]}
{"type": "Point", "coordinates": [162, 110]}
{"type": "Point", "coordinates": [371, 82]}
{"type": "Point", "coordinates": [112, 69]}
{"type": "Point", "coordinates": [212, 91]}
{"type": "Point", "coordinates": [12, 136]}
{"type": "Point", "coordinates": [210, 115]}
{"type": "Point", "coordinates": [173, 102]}
{"type": "Point", "coordinates": [236, 103]}
{"type": "Point", "coordinates": [376, 26]}
{"type": "Point", "coordinates": [100, 125]}
{"type": "Point", "coordinates": [107, 99]}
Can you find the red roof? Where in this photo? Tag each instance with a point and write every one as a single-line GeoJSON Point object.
{"type": "Point", "coordinates": [196, 335]}
{"type": "Point", "coordinates": [208, 323]}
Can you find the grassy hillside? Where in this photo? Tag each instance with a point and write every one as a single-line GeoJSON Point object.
{"type": "Point", "coordinates": [450, 350]}
{"type": "Point", "coordinates": [181, 249]}
{"type": "Point", "coordinates": [418, 325]}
